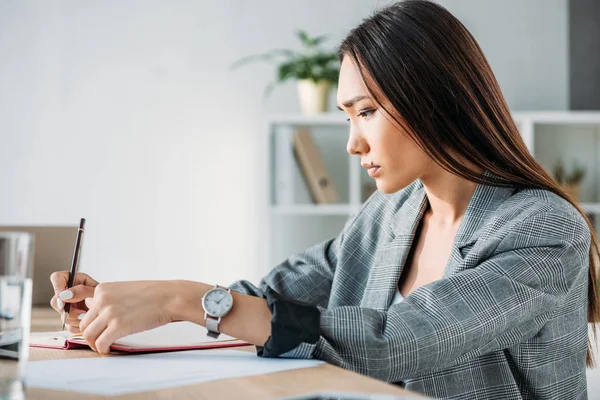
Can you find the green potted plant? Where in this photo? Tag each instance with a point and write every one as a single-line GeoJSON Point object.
{"type": "Point", "coordinates": [315, 69]}
{"type": "Point", "coordinates": [570, 182]}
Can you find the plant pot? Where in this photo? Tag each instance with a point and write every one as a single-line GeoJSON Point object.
{"type": "Point", "coordinates": [313, 96]}
{"type": "Point", "coordinates": [572, 190]}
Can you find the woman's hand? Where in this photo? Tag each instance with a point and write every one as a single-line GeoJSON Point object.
{"type": "Point", "coordinates": [83, 287]}
{"type": "Point", "coordinates": [122, 308]}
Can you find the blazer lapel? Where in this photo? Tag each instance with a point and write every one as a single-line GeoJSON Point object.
{"type": "Point", "coordinates": [390, 258]}
{"type": "Point", "coordinates": [484, 202]}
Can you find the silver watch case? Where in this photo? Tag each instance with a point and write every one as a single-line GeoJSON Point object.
{"type": "Point", "coordinates": [217, 289]}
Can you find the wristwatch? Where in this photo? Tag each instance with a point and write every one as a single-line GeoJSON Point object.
{"type": "Point", "coordinates": [217, 302]}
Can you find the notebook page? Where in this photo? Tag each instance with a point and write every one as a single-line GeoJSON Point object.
{"type": "Point", "coordinates": [175, 334]}
{"type": "Point", "coordinates": [50, 339]}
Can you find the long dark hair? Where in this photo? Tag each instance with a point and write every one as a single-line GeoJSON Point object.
{"type": "Point", "coordinates": [424, 64]}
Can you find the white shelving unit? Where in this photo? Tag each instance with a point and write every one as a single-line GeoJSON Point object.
{"type": "Point", "coordinates": [549, 135]}
{"type": "Point", "coordinates": [326, 209]}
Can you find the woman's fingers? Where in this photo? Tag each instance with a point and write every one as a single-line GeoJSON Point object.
{"type": "Point", "coordinates": [60, 280]}
{"type": "Point", "coordinates": [106, 338]}
{"type": "Point", "coordinates": [89, 316]}
{"type": "Point", "coordinates": [75, 317]}
{"type": "Point", "coordinates": [74, 322]}
{"type": "Point", "coordinates": [83, 287]}
{"type": "Point", "coordinates": [56, 303]}
{"type": "Point", "coordinates": [72, 329]}
{"type": "Point", "coordinates": [85, 279]}
{"type": "Point", "coordinates": [76, 294]}
{"type": "Point", "coordinates": [91, 330]}
{"type": "Point", "coordinates": [89, 301]}
{"type": "Point", "coordinates": [75, 313]}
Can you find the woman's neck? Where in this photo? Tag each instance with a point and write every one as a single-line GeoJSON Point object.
{"type": "Point", "coordinates": [448, 195]}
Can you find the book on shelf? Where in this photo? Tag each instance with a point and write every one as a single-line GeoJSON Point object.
{"type": "Point", "coordinates": [320, 185]}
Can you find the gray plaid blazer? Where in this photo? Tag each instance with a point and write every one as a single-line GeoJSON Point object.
{"type": "Point", "coordinates": [508, 320]}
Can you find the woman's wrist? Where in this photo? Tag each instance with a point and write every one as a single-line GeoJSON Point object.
{"type": "Point", "coordinates": [184, 302]}
{"type": "Point", "coordinates": [249, 318]}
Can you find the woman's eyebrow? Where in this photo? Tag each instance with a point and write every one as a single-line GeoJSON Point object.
{"type": "Point", "coordinates": [352, 101]}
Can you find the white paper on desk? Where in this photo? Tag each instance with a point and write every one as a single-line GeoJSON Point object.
{"type": "Point", "coordinates": [126, 374]}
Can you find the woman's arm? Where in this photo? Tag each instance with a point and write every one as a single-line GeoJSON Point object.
{"type": "Point", "coordinates": [249, 318]}
{"type": "Point", "coordinates": [305, 277]}
{"type": "Point", "coordinates": [503, 301]}
{"type": "Point", "coordinates": [122, 308]}
{"type": "Point", "coordinates": [114, 312]}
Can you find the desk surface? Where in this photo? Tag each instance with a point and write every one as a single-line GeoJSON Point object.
{"type": "Point", "coordinates": [268, 386]}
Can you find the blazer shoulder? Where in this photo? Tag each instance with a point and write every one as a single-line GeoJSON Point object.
{"type": "Point", "coordinates": [546, 210]}
{"type": "Point", "coordinates": [524, 218]}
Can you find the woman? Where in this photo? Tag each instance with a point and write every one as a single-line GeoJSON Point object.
{"type": "Point", "coordinates": [469, 274]}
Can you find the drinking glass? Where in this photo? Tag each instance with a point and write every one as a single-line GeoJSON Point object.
{"type": "Point", "coordinates": [16, 271]}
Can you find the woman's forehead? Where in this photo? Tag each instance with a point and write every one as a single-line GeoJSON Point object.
{"type": "Point", "coordinates": [351, 84]}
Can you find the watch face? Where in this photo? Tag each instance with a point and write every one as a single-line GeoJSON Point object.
{"type": "Point", "coordinates": [217, 302]}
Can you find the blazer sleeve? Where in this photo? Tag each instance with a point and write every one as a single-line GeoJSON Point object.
{"type": "Point", "coordinates": [502, 301]}
{"type": "Point", "coordinates": [305, 277]}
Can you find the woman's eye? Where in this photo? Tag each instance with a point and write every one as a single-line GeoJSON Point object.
{"type": "Point", "coordinates": [366, 113]}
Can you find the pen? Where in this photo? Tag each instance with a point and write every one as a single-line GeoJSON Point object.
{"type": "Point", "coordinates": [73, 271]}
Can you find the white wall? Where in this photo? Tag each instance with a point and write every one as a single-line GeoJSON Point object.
{"type": "Point", "coordinates": [526, 43]}
{"type": "Point", "coordinates": [125, 112]}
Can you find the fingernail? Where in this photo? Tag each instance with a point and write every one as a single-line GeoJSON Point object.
{"type": "Point", "coordinates": [59, 303]}
{"type": "Point", "coordinates": [66, 295]}
{"type": "Point", "coordinates": [80, 316]}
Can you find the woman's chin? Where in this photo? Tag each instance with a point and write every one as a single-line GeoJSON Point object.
{"type": "Point", "coordinates": [384, 188]}
{"type": "Point", "coordinates": [390, 187]}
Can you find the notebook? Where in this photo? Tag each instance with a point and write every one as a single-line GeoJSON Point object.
{"type": "Point", "coordinates": [174, 336]}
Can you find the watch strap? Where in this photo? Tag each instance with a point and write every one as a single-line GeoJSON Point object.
{"type": "Point", "coordinates": [212, 325]}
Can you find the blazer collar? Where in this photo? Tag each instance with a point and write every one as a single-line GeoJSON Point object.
{"type": "Point", "coordinates": [391, 257]}
{"type": "Point", "coordinates": [406, 219]}
{"type": "Point", "coordinates": [485, 201]}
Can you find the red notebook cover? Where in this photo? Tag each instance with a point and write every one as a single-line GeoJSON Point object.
{"type": "Point", "coordinates": [171, 337]}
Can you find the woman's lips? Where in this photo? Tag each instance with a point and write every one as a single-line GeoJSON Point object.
{"type": "Point", "coordinates": [373, 171]}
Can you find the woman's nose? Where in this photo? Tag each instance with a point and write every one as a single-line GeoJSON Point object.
{"type": "Point", "coordinates": [356, 145]}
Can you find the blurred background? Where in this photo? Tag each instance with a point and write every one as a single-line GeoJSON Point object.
{"type": "Point", "coordinates": [129, 113]}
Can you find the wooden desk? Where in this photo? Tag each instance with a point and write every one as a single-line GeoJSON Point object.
{"type": "Point", "coordinates": [268, 386]}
